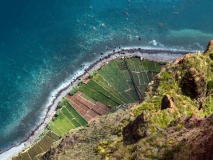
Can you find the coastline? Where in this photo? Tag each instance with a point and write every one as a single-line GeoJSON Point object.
{"type": "Point", "coordinates": [149, 53]}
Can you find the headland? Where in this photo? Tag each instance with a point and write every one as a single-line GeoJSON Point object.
{"type": "Point", "coordinates": [158, 55]}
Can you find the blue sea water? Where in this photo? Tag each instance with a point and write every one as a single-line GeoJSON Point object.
{"type": "Point", "coordinates": [45, 42]}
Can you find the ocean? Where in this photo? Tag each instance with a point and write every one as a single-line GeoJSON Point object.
{"type": "Point", "coordinates": [43, 45]}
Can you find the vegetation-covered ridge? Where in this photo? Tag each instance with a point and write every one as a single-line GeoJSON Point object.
{"type": "Point", "coordinates": [173, 122]}
{"type": "Point", "coordinates": [119, 82]}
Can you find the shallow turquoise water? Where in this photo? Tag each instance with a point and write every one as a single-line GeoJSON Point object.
{"type": "Point", "coordinates": [43, 43]}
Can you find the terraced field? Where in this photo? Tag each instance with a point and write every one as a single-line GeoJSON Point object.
{"type": "Point", "coordinates": [65, 119]}
{"type": "Point", "coordinates": [39, 147]}
{"type": "Point", "coordinates": [119, 82]}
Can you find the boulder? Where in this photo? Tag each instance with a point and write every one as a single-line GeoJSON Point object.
{"type": "Point", "coordinates": [193, 84]}
{"type": "Point", "coordinates": [209, 47]}
{"type": "Point", "coordinates": [167, 102]}
{"type": "Point", "coordinates": [135, 130]}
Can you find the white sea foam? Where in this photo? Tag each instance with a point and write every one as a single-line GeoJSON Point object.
{"type": "Point", "coordinates": [9, 153]}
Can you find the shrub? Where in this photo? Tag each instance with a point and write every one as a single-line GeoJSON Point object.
{"type": "Point", "coordinates": [210, 86]}
{"type": "Point", "coordinates": [211, 55]}
{"type": "Point", "coordinates": [92, 74]}
{"type": "Point", "coordinates": [73, 91]}
{"type": "Point", "coordinates": [63, 102]}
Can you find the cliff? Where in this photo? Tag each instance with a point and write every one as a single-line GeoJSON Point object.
{"type": "Point", "coordinates": [173, 122]}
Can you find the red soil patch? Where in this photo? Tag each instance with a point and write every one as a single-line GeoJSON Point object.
{"type": "Point", "coordinates": [85, 108]}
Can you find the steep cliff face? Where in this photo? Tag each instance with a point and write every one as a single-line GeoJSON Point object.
{"type": "Point", "coordinates": [173, 122]}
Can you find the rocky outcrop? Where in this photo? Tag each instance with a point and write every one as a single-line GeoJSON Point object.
{"type": "Point", "coordinates": [210, 88]}
{"type": "Point", "coordinates": [193, 84]}
{"type": "Point", "coordinates": [209, 47]}
{"type": "Point", "coordinates": [167, 102]}
{"type": "Point", "coordinates": [135, 130]}
{"type": "Point", "coordinates": [195, 140]}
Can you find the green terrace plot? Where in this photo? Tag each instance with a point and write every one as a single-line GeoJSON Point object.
{"type": "Point", "coordinates": [97, 94]}
{"type": "Point", "coordinates": [35, 150]}
{"type": "Point", "coordinates": [66, 118]}
{"type": "Point", "coordinates": [99, 80]}
{"type": "Point", "coordinates": [120, 81]}
{"type": "Point", "coordinates": [112, 82]}
{"type": "Point", "coordinates": [100, 89]}
{"type": "Point", "coordinates": [142, 71]}
{"type": "Point", "coordinates": [77, 117]}
{"type": "Point", "coordinates": [39, 147]}
{"type": "Point", "coordinates": [150, 66]}
{"type": "Point", "coordinates": [54, 128]}
{"type": "Point", "coordinates": [144, 80]}
{"type": "Point", "coordinates": [62, 122]}
{"type": "Point", "coordinates": [116, 75]}
{"type": "Point", "coordinates": [88, 98]}
{"type": "Point", "coordinates": [137, 64]}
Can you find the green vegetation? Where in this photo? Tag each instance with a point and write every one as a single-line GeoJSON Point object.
{"type": "Point", "coordinates": [210, 86]}
{"type": "Point", "coordinates": [56, 130]}
{"type": "Point", "coordinates": [89, 98]}
{"type": "Point", "coordinates": [98, 79]}
{"type": "Point", "coordinates": [100, 89]}
{"type": "Point", "coordinates": [98, 96]}
{"type": "Point", "coordinates": [115, 85]}
{"type": "Point", "coordinates": [65, 119]}
{"type": "Point", "coordinates": [36, 149]}
{"type": "Point", "coordinates": [142, 71]}
{"type": "Point", "coordinates": [208, 105]}
{"type": "Point", "coordinates": [39, 147]}
{"type": "Point", "coordinates": [63, 123]}
{"type": "Point", "coordinates": [78, 118]}
{"type": "Point", "coordinates": [211, 56]}
{"type": "Point", "coordinates": [52, 135]}
{"type": "Point", "coordinates": [150, 66]}
{"type": "Point", "coordinates": [73, 91]}
{"type": "Point", "coordinates": [45, 143]}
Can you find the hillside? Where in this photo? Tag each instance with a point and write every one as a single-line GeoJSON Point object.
{"type": "Point", "coordinates": [174, 121]}
{"type": "Point", "coordinates": [118, 83]}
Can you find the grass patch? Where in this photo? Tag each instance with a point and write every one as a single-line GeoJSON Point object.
{"type": "Point", "coordinates": [100, 89]}
{"type": "Point", "coordinates": [130, 65]}
{"type": "Point", "coordinates": [75, 123]}
{"type": "Point", "coordinates": [133, 94]}
{"type": "Point", "coordinates": [67, 113]}
{"type": "Point", "coordinates": [45, 143]}
{"type": "Point", "coordinates": [73, 91]}
{"type": "Point", "coordinates": [80, 120]}
{"type": "Point", "coordinates": [136, 78]}
{"type": "Point", "coordinates": [137, 63]}
{"type": "Point", "coordinates": [62, 123]}
{"type": "Point", "coordinates": [25, 156]}
{"type": "Point", "coordinates": [32, 153]}
{"type": "Point", "coordinates": [115, 73]}
{"type": "Point", "coordinates": [210, 86]}
{"type": "Point", "coordinates": [86, 89]}
{"type": "Point", "coordinates": [52, 135]}
{"type": "Point", "coordinates": [121, 65]}
{"type": "Point", "coordinates": [98, 79]}
{"type": "Point", "coordinates": [208, 106]}
{"type": "Point", "coordinates": [142, 89]}
{"type": "Point", "coordinates": [56, 130]}
{"type": "Point", "coordinates": [88, 98]}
